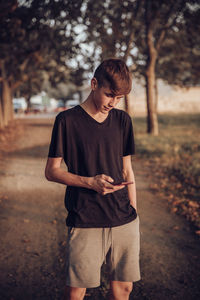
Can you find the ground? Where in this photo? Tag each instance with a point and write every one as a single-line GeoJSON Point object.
{"type": "Point", "coordinates": [33, 232]}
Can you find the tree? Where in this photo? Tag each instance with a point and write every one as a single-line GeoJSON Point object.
{"type": "Point", "coordinates": [181, 66]}
{"type": "Point", "coordinates": [111, 25]}
{"type": "Point", "coordinates": [139, 31]}
{"type": "Point", "coordinates": [35, 36]}
{"type": "Point", "coordinates": [160, 21]}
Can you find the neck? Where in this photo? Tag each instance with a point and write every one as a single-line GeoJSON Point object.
{"type": "Point", "coordinates": [90, 107]}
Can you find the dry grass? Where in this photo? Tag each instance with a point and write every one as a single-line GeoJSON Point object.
{"type": "Point", "coordinates": [174, 161]}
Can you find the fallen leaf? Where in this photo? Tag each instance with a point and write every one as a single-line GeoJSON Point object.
{"type": "Point", "coordinates": [174, 209]}
{"type": "Point", "coordinates": [193, 204]}
{"type": "Point", "coordinates": [176, 227]}
{"type": "Point", "coordinates": [26, 220]}
{"type": "Point", "coordinates": [178, 185]}
{"type": "Point", "coordinates": [153, 186]}
{"type": "Point", "coordinates": [26, 241]}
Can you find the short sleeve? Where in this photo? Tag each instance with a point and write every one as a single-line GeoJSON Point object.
{"type": "Point", "coordinates": [56, 148]}
{"type": "Point", "coordinates": [128, 138]}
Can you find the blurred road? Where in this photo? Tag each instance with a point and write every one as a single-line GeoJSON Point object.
{"type": "Point", "coordinates": [33, 232]}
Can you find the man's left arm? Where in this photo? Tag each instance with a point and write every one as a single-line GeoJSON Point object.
{"type": "Point", "coordinates": [129, 176]}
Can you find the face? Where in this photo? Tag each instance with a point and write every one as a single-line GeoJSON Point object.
{"type": "Point", "coordinates": [103, 99]}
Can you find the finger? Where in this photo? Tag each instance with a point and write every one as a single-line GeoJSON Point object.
{"type": "Point", "coordinates": [107, 178]}
{"type": "Point", "coordinates": [109, 185]}
{"type": "Point", "coordinates": [108, 191]}
{"type": "Point", "coordinates": [119, 187]}
{"type": "Point", "coordinates": [112, 189]}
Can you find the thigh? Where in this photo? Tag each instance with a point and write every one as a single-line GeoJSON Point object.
{"type": "Point", "coordinates": [125, 251]}
{"type": "Point", "coordinates": [84, 257]}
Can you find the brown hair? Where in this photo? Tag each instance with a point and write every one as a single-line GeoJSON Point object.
{"type": "Point", "coordinates": [115, 73]}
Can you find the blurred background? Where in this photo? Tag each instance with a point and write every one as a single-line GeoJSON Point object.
{"type": "Point", "coordinates": [49, 50]}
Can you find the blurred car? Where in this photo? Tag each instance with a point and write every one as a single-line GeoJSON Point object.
{"type": "Point", "coordinates": [60, 106]}
{"type": "Point", "coordinates": [19, 105]}
{"type": "Point", "coordinates": [72, 103]}
{"type": "Point", "coordinates": [37, 108]}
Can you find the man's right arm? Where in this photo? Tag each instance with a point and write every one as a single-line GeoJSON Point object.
{"type": "Point", "coordinates": [53, 172]}
{"type": "Point", "coordinates": [100, 183]}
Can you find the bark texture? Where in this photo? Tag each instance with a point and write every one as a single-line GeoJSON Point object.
{"type": "Point", "coordinates": [6, 96]}
{"type": "Point", "coordinates": [152, 120]}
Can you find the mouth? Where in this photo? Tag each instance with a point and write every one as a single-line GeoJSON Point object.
{"type": "Point", "coordinates": [107, 108]}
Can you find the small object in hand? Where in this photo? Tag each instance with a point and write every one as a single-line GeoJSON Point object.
{"type": "Point", "coordinates": [122, 183]}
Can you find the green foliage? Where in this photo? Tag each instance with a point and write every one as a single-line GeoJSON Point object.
{"type": "Point", "coordinates": [119, 28]}
{"type": "Point", "coordinates": [179, 61]}
{"type": "Point", "coordinates": [37, 39]}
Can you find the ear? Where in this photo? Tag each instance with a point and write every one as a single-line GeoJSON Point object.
{"type": "Point", "coordinates": [94, 84]}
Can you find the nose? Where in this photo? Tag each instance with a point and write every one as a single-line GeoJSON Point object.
{"type": "Point", "coordinates": [113, 102]}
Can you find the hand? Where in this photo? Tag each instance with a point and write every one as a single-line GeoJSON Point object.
{"type": "Point", "coordinates": [102, 184]}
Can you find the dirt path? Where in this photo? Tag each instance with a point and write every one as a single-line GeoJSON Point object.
{"type": "Point", "coordinates": [32, 227]}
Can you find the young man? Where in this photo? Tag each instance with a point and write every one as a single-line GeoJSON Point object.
{"type": "Point", "coordinates": [96, 142]}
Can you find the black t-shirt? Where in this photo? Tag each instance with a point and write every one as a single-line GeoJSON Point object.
{"type": "Point", "coordinates": [91, 148]}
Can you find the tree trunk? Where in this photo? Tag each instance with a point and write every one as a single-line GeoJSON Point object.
{"type": "Point", "coordinates": [156, 96]}
{"type": "Point", "coordinates": [6, 97]}
{"type": "Point", "coordinates": [7, 102]}
{"type": "Point", "coordinates": [28, 100]}
{"type": "Point", "coordinates": [127, 104]}
{"type": "Point", "coordinates": [80, 96]}
{"type": "Point", "coordinates": [1, 111]}
{"type": "Point", "coordinates": [152, 120]}
{"type": "Point", "coordinates": [10, 99]}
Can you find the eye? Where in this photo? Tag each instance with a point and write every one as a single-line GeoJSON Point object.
{"type": "Point", "coordinates": [109, 95]}
{"type": "Point", "coordinates": [120, 98]}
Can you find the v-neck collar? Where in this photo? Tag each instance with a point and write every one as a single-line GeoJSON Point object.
{"type": "Point", "coordinates": [91, 118]}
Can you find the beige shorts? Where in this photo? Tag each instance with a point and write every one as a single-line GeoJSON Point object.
{"type": "Point", "coordinates": [88, 248]}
